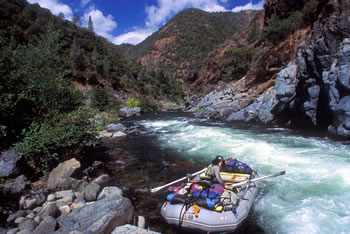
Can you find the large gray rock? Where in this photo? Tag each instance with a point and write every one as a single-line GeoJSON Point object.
{"type": "Point", "coordinates": [31, 200]}
{"type": "Point", "coordinates": [103, 216]}
{"type": "Point", "coordinates": [116, 127]}
{"type": "Point", "coordinates": [103, 180]}
{"type": "Point", "coordinates": [129, 111]}
{"type": "Point", "coordinates": [60, 177]}
{"type": "Point", "coordinates": [46, 226]}
{"type": "Point", "coordinates": [110, 192]}
{"type": "Point", "coordinates": [27, 224]}
{"type": "Point", "coordinates": [64, 194]}
{"type": "Point", "coordinates": [8, 163]}
{"type": "Point", "coordinates": [286, 83]}
{"type": "Point", "coordinates": [50, 209]}
{"type": "Point", "coordinates": [91, 191]}
{"type": "Point", "coordinates": [259, 111]}
{"type": "Point", "coordinates": [16, 186]}
{"type": "Point", "coordinates": [128, 229]}
{"type": "Point", "coordinates": [341, 122]}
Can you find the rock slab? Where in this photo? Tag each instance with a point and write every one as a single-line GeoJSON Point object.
{"type": "Point", "coordinates": [103, 216]}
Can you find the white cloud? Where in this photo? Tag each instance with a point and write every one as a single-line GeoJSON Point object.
{"type": "Point", "coordinates": [165, 9]}
{"type": "Point", "coordinates": [249, 6]}
{"type": "Point", "coordinates": [83, 3]}
{"type": "Point", "coordinates": [103, 25]}
{"type": "Point", "coordinates": [158, 15]}
{"type": "Point", "coordinates": [133, 37]}
{"type": "Point", "coordinates": [55, 7]}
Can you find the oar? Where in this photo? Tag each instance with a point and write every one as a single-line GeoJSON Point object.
{"type": "Point", "coordinates": [154, 190]}
{"type": "Point", "coordinates": [259, 178]}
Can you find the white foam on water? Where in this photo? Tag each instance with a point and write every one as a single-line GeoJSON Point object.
{"type": "Point", "coordinates": [313, 196]}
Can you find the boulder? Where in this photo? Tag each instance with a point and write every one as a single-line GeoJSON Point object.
{"type": "Point", "coordinates": [24, 232]}
{"type": "Point", "coordinates": [17, 186]}
{"type": "Point", "coordinates": [102, 180]}
{"type": "Point", "coordinates": [118, 135]}
{"type": "Point", "coordinates": [46, 226]}
{"type": "Point", "coordinates": [105, 134]}
{"type": "Point", "coordinates": [109, 192]}
{"type": "Point", "coordinates": [27, 224]}
{"type": "Point", "coordinates": [50, 209]}
{"type": "Point", "coordinates": [64, 194]}
{"type": "Point", "coordinates": [33, 199]}
{"type": "Point", "coordinates": [13, 231]}
{"type": "Point", "coordinates": [8, 163]}
{"type": "Point", "coordinates": [60, 177]}
{"type": "Point", "coordinates": [103, 216]}
{"type": "Point", "coordinates": [127, 229]}
{"type": "Point", "coordinates": [129, 111]}
{"type": "Point", "coordinates": [341, 121]}
{"type": "Point", "coordinates": [91, 191]}
{"type": "Point", "coordinates": [116, 127]}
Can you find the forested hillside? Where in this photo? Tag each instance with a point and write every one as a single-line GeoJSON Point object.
{"type": "Point", "coordinates": [43, 59]}
{"type": "Point", "coordinates": [180, 46]}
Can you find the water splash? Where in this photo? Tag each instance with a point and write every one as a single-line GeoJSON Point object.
{"type": "Point", "coordinates": [314, 195]}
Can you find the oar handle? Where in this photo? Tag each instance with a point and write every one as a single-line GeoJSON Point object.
{"type": "Point", "coordinates": [154, 190]}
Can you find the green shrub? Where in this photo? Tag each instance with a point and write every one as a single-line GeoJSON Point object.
{"type": "Point", "coordinates": [33, 86]}
{"type": "Point", "coordinates": [279, 29]}
{"type": "Point", "coordinates": [105, 118]}
{"type": "Point", "coordinates": [99, 99]}
{"type": "Point", "coordinates": [133, 102]}
{"type": "Point", "coordinates": [148, 105]}
{"type": "Point", "coordinates": [45, 142]}
{"type": "Point", "coordinates": [237, 62]}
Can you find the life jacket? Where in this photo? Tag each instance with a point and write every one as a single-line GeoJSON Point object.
{"type": "Point", "coordinates": [206, 175]}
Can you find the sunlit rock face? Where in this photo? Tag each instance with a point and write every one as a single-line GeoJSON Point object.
{"type": "Point", "coordinates": [308, 87]}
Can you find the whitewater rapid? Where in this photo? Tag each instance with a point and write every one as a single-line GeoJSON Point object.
{"type": "Point", "coordinates": [314, 195]}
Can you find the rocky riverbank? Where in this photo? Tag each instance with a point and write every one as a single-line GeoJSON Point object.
{"type": "Point", "coordinates": [112, 178]}
{"type": "Point", "coordinates": [84, 197]}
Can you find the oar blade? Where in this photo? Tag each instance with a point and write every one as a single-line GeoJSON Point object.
{"type": "Point", "coordinates": [279, 173]}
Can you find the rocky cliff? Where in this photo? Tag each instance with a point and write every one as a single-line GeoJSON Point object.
{"type": "Point", "coordinates": [302, 82]}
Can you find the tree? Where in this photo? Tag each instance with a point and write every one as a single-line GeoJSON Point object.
{"type": "Point", "coordinates": [76, 20]}
{"type": "Point", "coordinates": [61, 15]}
{"type": "Point", "coordinates": [90, 25]}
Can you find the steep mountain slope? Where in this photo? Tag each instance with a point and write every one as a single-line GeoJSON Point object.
{"type": "Point", "coordinates": [180, 46]}
{"type": "Point", "coordinates": [88, 58]}
{"type": "Point", "coordinates": [300, 76]}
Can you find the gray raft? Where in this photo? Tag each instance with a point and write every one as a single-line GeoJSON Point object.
{"type": "Point", "coordinates": [209, 220]}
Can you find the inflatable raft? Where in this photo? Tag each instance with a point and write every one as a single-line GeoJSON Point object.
{"type": "Point", "coordinates": [191, 215]}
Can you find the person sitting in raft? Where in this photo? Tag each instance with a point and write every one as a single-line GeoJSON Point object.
{"type": "Point", "coordinates": [214, 171]}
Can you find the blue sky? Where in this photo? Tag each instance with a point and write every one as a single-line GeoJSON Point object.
{"type": "Point", "coordinates": [131, 21]}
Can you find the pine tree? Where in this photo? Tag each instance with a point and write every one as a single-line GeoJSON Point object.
{"type": "Point", "coordinates": [90, 25]}
{"type": "Point", "coordinates": [61, 15]}
{"type": "Point", "coordinates": [76, 20]}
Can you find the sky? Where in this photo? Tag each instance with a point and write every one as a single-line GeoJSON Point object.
{"type": "Point", "coordinates": [132, 21]}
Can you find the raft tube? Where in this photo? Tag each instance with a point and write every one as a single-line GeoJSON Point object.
{"type": "Point", "coordinates": [209, 220]}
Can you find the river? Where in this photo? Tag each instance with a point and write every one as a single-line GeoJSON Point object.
{"type": "Point", "coordinates": [313, 196]}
